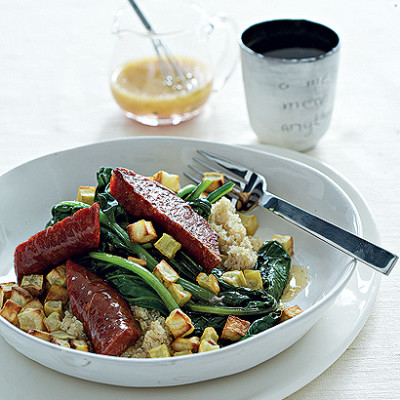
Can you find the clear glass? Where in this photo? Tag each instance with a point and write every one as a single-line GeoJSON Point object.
{"type": "Point", "coordinates": [166, 76]}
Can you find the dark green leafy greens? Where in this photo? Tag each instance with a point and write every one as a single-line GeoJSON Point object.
{"type": "Point", "coordinates": [139, 286]}
{"type": "Point", "coordinates": [273, 262]}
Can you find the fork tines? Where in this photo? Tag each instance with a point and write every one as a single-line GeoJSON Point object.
{"type": "Point", "coordinates": [212, 164]}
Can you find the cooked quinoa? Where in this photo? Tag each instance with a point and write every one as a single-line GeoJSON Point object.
{"type": "Point", "coordinates": [154, 333]}
{"type": "Point", "coordinates": [240, 250]}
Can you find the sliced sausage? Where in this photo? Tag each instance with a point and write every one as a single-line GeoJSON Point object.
{"type": "Point", "coordinates": [70, 237]}
{"type": "Point", "coordinates": [145, 198]}
{"type": "Point", "coordinates": [106, 317]}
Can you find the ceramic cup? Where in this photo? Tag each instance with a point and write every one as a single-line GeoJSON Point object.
{"type": "Point", "coordinates": [289, 74]}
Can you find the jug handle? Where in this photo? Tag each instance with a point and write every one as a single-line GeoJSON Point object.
{"type": "Point", "coordinates": [225, 64]}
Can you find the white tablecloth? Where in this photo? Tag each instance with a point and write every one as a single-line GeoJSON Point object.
{"type": "Point", "coordinates": [55, 95]}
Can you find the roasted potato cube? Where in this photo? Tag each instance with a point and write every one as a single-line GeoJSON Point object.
{"type": "Point", "coordinates": [57, 293]}
{"type": "Point", "coordinates": [33, 284]}
{"type": "Point", "coordinates": [235, 328]}
{"type": "Point", "coordinates": [138, 261]}
{"type": "Point", "coordinates": [253, 279]}
{"type": "Point", "coordinates": [35, 303]}
{"type": "Point", "coordinates": [40, 334]}
{"type": "Point", "coordinates": [235, 278]}
{"type": "Point", "coordinates": [250, 222]}
{"type": "Point", "coordinates": [86, 194]}
{"type": "Point", "coordinates": [208, 345]}
{"type": "Point", "coordinates": [53, 322]}
{"type": "Point", "coordinates": [186, 344]}
{"type": "Point", "coordinates": [79, 345]}
{"type": "Point", "coordinates": [51, 306]}
{"type": "Point", "coordinates": [170, 181]}
{"type": "Point", "coordinates": [180, 295]}
{"type": "Point", "coordinates": [20, 295]}
{"type": "Point", "coordinates": [10, 311]}
{"type": "Point", "coordinates": [60, 342]}
{"type": "Point", "coordinates": [286, 242]}
{"type": "Point", "coordinates": [159, 351]}
{"type": "Point", "coordinates": [179, 323]}
{"type": "Point", "coordinates": [210, 334]}
{"type": "Point", "coordinates": [216, 178]}
{"type": "Point", "coordinates": [165, 273]}
{"type": "Point", "coordinates": [167, 245]}
{"type": "Point", "coordinates": [208, 282]}
{"type": "Point", "coordinates": [57, 276]}
{"type": "Point", "coordinates": [31, 318]}
{"type": "Point", "coordinates": [61, 335]}
{"type": "Point", "coordinates": [290, 312]}
{"type": "Point", "coordinates": [141, 231]}
{"type": "Point", "coordinates": [5, 292]}
{"type": "Point", "coordinates": [182, 353]}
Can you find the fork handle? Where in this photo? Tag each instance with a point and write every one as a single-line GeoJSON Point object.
{"type": "Point", "coordinates": [362, 250]}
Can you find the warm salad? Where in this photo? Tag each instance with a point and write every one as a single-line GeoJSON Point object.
{"type": "Point", "coordinates": [140, 267]}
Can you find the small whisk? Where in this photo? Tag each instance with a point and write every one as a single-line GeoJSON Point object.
{"type": "Point", "coordinates": [173, 73]}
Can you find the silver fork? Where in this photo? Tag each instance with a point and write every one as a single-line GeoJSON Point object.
{"type": "Point", "coordinates": [250, 190]}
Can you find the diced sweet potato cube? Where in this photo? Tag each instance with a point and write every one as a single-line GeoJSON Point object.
{"type": "Point", "coordinates": [217, 180]}
{"type": "Point", "coordinates": [60, 342]}
{"type": "Point", "coordinates": [86, 194]}
{"type": "Point", "coordinates": [210, 334]}
{"type": "Point", "coordinates": [208, 345]}
{"type": "Point", "coordinates": [51, 306]}
{"type": "Point", "coordinates": [61, 335]}
{"type": "Point", "coordinates": [186, 344]}
{"type": "Point", "coordinates": [170, 181]}
{"type": "Point", "coordinates": [141, 231]}
{"type": "Point", "coordinates": [57, 293]}
{"type": "Point", "coordinates": [235, 328]}
{"type": "Point", "coordinates": [80, 345]}
{"type": "Point", "coordinates": [208, 282]}
{"type": "Point", "coordinates": [159, 351]}
{"type": "Point", "coordinates": [20, 295]}
{"type": "Point", "coordinates": [290, 312]}
{"type": "Point", "coordinates": [10, 311]}
{"type": "Point", "coordinates": [179, 323]}
{"type": "Point", "coordinates": [253, 279]}
{"type": "Point", "coordinates": [182, 353]}
{"type": "Point", "coordinates": [53, 322]}
{"type": "Point", "coordinates": [250, 222]}
{"type": "Point", "coordinates": [34, 303]}
{"type": "Point", "coordinates": [57, 276]}
{"type": "Point", "coordinates": [5, 292]}
{"type": "Point", "coordinates": [180, 295]}
{"type": "Point", "coordinates": [40, 334]}
{"type": "Point", "coordinates": [286, 242]}
{"type": "Point", "coordinates": [165, 273]}
{"type": "Point", "coordinates": [235, 278]}
{"type": "Point", "coordinates": [167, 245]}
{"type": "Point", "coordinates": [31, 318]}
{"type": "Point", "coordinates": [33, 284]}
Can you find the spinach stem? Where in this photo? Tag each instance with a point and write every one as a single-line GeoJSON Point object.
{"type": "Point", "coordinates": [146, 275]}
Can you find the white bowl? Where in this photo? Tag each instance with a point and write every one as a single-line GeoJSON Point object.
{"type": "Point", "coordinates": [33, 188]}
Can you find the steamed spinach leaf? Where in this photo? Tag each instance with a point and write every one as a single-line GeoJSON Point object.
{"type": "Point", "coordinates": [273, 262]}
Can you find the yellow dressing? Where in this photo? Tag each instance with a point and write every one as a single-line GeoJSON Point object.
{"type": "Point", "coordinates": [298, 279]}
{"type": "Point", "coordinates": [138, 87]}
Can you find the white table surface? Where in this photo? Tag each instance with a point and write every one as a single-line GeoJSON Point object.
{"type": "Point", "coordinates": [54, 95]}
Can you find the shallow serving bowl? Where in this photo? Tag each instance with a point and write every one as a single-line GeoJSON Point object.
{"type": "Point", "coordinates": [31, 189]}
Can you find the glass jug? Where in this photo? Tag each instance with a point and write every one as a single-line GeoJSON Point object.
{"type": "Point", "coordinates": [166, 75]}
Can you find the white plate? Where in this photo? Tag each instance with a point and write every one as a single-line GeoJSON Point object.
{"type": "Point", "coordinates": [37, 185]}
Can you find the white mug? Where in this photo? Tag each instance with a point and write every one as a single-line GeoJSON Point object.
{"type": "Point", "coordinates": [289, 74]}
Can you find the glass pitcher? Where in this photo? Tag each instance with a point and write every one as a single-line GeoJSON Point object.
{"type": "Point", "coordinates": [165, 76]}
